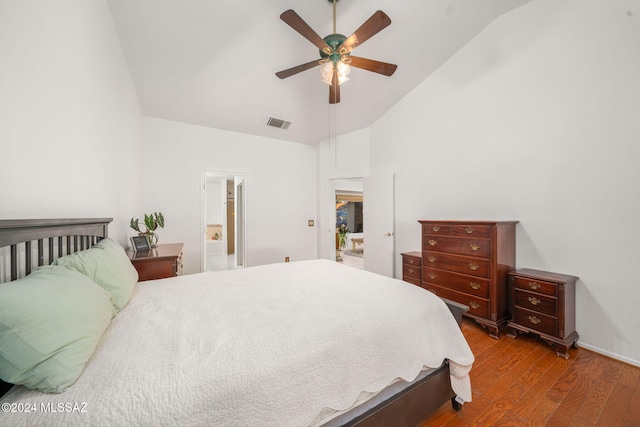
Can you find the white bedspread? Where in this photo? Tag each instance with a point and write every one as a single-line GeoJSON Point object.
{"type": "Point", "coordinates": [264, 346]}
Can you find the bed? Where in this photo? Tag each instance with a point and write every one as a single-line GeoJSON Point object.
{"type": "Point", "coordinates": [310, 343]}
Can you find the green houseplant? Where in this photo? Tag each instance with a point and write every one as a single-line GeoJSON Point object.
{"type": "Point", "coordinates": [151, 222]}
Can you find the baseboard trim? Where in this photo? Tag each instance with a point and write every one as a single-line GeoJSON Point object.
{"type": "Point", "coordinates": [610, 354]}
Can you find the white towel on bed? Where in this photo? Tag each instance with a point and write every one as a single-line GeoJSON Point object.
{"type": "Point", "coordinates": [263, 346]}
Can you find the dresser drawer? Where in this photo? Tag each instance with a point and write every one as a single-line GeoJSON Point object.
{"type": "Point", "coordinates": [458, 263]}
{"type": "Point", "coordinates": [458, 245]}
{"type": "Point", "coordinates": [433, 228]}
{"type": "Point", "coordinates": [534, 320]}
{"type": "Point", "coordinates": [477, 306]}
{"type": "Point", "coordinates": [536, 285]}
{"type": "Point", "coordinates": [471, 230]}
{"type": "Point", "coordinates": [536, 302]}
{"type": "Point", "coordinates": [459, 282]}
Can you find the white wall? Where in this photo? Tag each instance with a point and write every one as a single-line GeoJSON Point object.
{"type": "Point", "coordinates": [69, 115]}
{"type": "Point", "coordinates": [346, 156]}
{"type": "Point", "coordinates": [280, 188]}
{"type": "Point", "coordinates": [537, 119]}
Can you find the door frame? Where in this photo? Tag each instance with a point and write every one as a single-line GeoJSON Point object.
{"type": "Point", "coordinates": [332, 210]}
{"type": "Point", "coordinates": [240, 220]}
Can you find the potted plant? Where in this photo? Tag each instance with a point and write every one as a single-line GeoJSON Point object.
{"type": "Point", "coordinates": [341, 231]}
{"type": "Point", "coordinates": [151, 222]}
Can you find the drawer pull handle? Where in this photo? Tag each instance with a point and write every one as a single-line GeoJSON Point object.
{"type": "Point", "coordinates": [534, 300]}
{"type": "Point", "coordinates": [411, 271]}
{"type": "Point", "coordinates": [534, 285]}
{"type": "Point", "coordinates": [433, 275]}
{"type": "Point", "coordinates": [473, 266]}
{"type": "Point", "coordinates": [432, 259]}
{"type": "Point", "coordinates": [474, 285]}
{"type": "Point", "coordinates": [436, 228]}
{"type": "Point", "coordinates": [534, 320]}
{"type": "Point", "coordinates": [474, 246]}
{"type": "Point", "coordinates": [469, 230]}
{"type": "Point", "coordinates": [412, 261]}
{"type": "Point", "coordinates": [433, 242]}
{"type": "Point", "coordinates": [474, 305]}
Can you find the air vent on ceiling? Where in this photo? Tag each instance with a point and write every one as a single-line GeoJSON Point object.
{"type": "Point", "coordinates": [278, 123]}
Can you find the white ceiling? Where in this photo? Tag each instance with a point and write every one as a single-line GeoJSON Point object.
{"type": "Point", "coordinates": [213, 63]}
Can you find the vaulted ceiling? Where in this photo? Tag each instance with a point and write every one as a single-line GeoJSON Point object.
{"type": "Point", "coordinates": [213, 63]}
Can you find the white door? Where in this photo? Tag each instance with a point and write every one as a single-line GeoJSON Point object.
{"type": "Point", "coordinates": [379, 217]}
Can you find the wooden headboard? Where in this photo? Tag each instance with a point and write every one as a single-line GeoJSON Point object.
{"type": "Point", "coordinates": [62, 237]}
{"type": "Point", "coordinates": [53, 238]}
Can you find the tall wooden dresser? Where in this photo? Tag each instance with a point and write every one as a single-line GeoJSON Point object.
{"type": "Point", "coordinates": [468, 262]}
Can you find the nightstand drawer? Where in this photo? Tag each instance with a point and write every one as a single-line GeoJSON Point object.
{"type": "Point", "coordinates": [411, 271]}
{"type": "Point", "coordinates": [458, 282]}
{"type": "Point", "coordinates": [413, 281]}
{"type": "Point", "coordinates": [536, 302]}
{"type": "Point", "coordinates": [537, 321]}
{"type": "Point", "coordinates": [536, 285]}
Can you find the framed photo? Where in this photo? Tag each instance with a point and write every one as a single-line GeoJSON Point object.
{"type": "Point", "coordinates": [140, 243]}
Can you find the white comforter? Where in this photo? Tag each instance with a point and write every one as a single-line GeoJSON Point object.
{"type": "Point", "coordinates": [264, 346]}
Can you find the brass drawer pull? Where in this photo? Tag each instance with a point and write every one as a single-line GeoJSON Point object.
{"type": "Point", "coordinates": [433, 242]}
{"type": "Point", "coordinates": [433, 275]}
{"type": "Point", "coordinates": [473, 266]}
{"type": "Point", "coordinates": [436, 228]}
{"type": "Point", "coordinates": [534, 285]}
{"type": "Point", "coordinates": [534, 320]}
{"type": "Point", "coordinates": [469, 230]}
{"type": "Point", "coordinates": [534, 300]}
{"type": "Point", "coordinates": [474, 305]}
{"type": "Point", "coordinates": [412, 261]}
{"type": "Point", "coordinates": [411, 271]}
{"type": "Point", "coordinates": [474, 246]}
{"type": "Point", "coordinates": [474, 285]}
{"type": "Point", "coordinates": [432, 259]}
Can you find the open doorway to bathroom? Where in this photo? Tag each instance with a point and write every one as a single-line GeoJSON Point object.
{"type": "Point", "coordinates": [223, 225]}
{"type": "Point", "coordinates": [349, 222]}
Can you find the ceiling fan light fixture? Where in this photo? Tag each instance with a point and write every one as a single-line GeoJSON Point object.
{"type": "Point", "coordinates": [327, 72]}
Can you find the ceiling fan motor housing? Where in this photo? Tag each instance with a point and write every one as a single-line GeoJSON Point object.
{"type": "Point", "coordinates": [334, 41]}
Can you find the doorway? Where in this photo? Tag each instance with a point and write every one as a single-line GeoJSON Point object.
{"type": "Point", "coordinates": [348, 221]}
{"type": "Point", "coordinates": [223, 221]}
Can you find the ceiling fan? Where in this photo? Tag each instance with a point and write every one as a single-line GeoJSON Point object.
{"type": "Point", "coordinates": [335, 50]}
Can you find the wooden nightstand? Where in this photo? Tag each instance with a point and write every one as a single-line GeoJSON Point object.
{"type": "Point", "coordinates": [412, 267]}
{"type": "Point", "coordinates": [544, 303]}
{"type": "Point", "coordinates": [158, 263]}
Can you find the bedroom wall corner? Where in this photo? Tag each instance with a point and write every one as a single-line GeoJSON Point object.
{"type": "Point", "coordinates": [70, 121]}
{"type": "Point", "coordinates": [280, 188]}
{"type": "Point", "coordinates": [535, 120]}
{"type": "Point", "coordinates": [345, 156]}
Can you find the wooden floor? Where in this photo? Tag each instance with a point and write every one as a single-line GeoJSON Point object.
{"type": "Point", "coordinates": [521, 382]}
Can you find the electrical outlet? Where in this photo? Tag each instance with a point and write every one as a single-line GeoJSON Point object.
{"type": "Point", "coordinates": [311, 223]}
{"type": "Point", "coordinates": [286, 259]}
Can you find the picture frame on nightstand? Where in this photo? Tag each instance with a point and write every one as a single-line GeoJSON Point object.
{"type": "Point", "coordinates": [140, 244]}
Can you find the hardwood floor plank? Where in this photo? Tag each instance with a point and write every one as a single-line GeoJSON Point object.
{"type": "Point", "coordinates": [521, 382]}
{"type": "Point", "coordinates": [599, 394]}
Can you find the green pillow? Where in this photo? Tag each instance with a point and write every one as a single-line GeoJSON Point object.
{"type": "Point", "coordinates": [50, 324]}
{"type": "Point", "coordinates": [107, 264]}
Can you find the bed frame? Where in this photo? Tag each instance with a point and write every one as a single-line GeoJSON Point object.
{"type": "Point", "coordinates": [57, 237]}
